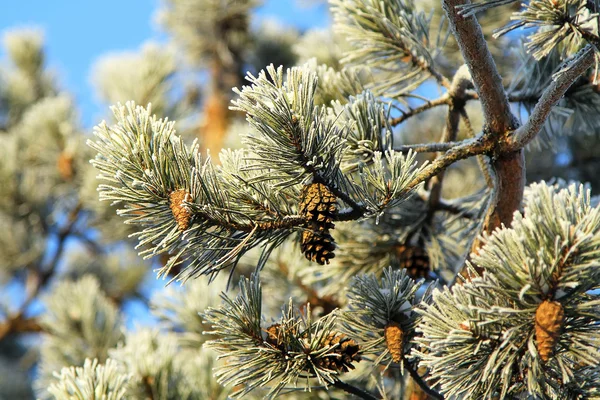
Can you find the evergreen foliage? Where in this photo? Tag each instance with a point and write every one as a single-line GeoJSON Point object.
{"type": "Point", "coordinates": [371, 232]}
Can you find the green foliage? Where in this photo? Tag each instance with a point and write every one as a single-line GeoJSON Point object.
{"type": "Point", "coordinates": [387, 36]}
{"type": "Point", "coordinates": [151, 357]}
{"type": "Point", "coordinates": [341, 128]}
{"type": "Point", "coordinates": [140, 77]}
{"type": "Point", "coordinates": [208, 28]}
{"type": "Point", "coordinates": [294, 350]}
{"type": "Point", "coordinates": [91, 381]}
{"type": "Point", "coordinates": [373, 305]}
{"type": "Point", "coordinates": [549, 253]}
{"type": "Point", "coordinates": [557, 22]}
{"type": "Point", "coordinates": [81, 323]}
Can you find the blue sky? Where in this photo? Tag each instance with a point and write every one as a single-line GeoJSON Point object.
{"type": "Point", "coordinates": [78, 32]}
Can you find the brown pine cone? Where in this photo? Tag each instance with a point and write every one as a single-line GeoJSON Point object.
{"type": "Point", "coordinates": [414, 259]}
{"type": "Point", "coordinates": [319, 207]}
{"type": "Point", "coordinates": [342, 357]}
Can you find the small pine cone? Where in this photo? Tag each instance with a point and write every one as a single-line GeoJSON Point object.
{"type": "Point", "coordinates": [65, 165]}
{"type": "Point", "coordinates": [549, 320]}
{"type": "Point", "coordinates": [343, 355]}
{"type": "Point", "coordinates": [181, 213]}
{"type": "Point", "coordinates": [414, 259]}
{"type": "Point", "coordinates": [274, 335]}
{"type": "Point", "coordinates": [317, 246]}
{"type": "Point", "coordinates": [393, 339]}
{"type": "Point", "coordinates": [318, 205]}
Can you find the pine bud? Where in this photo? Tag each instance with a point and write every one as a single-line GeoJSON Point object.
{"type": "Point", "coordinates": [549, 320]}
{"type": "Point", "coordinates": [181, 213]}
{"type": "Point", "coordinates": [65, 165]}
{"type": "Point", "coordinates": [393, 339]}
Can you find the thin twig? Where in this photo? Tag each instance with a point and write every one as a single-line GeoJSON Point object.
{"type": "Point", "coordinates": [422, 384]}
{"type": "Point", "coordinates": [354, 390]}
{"type": "Point", "coordinates": [467, 148]}
{"type": "Point", "coordinates": [484, 165]}
{"type": "Point", "coordinates": [553, 93]}
{"type": "Point", "coordinates": [443, 100]}
{"type": "Point", "coordinates": [460, 83]}
{"type": "Point", "coordinates": [426, 147]}
{"type": "Point", "coordinates": [38, 279]}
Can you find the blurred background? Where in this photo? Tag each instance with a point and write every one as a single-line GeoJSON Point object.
{"type": "Point", "coordinates": [71, 283]}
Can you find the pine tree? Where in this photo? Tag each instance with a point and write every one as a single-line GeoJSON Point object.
{"type": "Point", "coordinates": [368, 239]}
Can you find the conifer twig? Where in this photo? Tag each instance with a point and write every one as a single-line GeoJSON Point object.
{"type": "Point", "coordinates": [426, 147]}
{"type": "Point", "coordinates": [553, 93]}
{"type": "Point", "coordinates": [460, 83]}
{"type": "Point", "coordinates": [36, 282]}
{"type": "Point", "coordinates": [443, 100]}
{"type": "Point", "coordinates": [354, 390]}
{"type": "Point", "coordinates": [422, 384]}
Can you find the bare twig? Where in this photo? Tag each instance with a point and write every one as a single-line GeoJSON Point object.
{"type": "Point", "coordinates": [466, 148]}
{"type": "Point", "coordinates": [443, 100]}
{"type": "Point", "coordinates": [426, 147]}
{"type": "Point", "coordinates": [482, 160]}
{"type": "Point", "coordinates": [460, 83]}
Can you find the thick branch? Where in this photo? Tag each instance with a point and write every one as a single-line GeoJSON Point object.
{"type": "Point", "coordinates": [553, 93]}
{"type": "Point", "coordinates": [20, 324]}
{"type": "Point", "coordinates": [485, 76]}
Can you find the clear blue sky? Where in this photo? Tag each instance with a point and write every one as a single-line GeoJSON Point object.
{"type": "Point", "coordinates": [77, 32]}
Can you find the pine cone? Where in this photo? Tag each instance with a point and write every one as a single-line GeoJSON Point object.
{"type": "Point", "coordinates": [274, 337]}
{"type": "Point", "coordinates": [414, 259]}
{"type": "Point", "coordinates": [393, 340]}
{"type": "Point", "coordinates": [549, 320]}
{"type": "Point", "coordinates": [319, 207]}
{"type": "Point", "coordinates": [343, 355]}
{"type": "Point", "coordinates": [317, 246]}
{"type": "Point", "coordinates": [181, 213]}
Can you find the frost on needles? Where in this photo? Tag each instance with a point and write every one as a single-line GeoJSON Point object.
{"type": "Point", "coordinates": [208, 216]}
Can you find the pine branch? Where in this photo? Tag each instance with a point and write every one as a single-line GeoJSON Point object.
{"type": "Point", "coordinates": [389, 36]}
{"type": "Point", "coordinates": [38, 279]}
{"type": "Point", "coordinates": [561, 82]}
{"type": "Point", "coordinates": [427, 147]}
{"type": "Point", "coordinates": [485, 76]}
{"type": "Point", "coordinates": [509, 165]}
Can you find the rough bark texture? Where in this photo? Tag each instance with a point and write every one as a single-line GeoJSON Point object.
{"type": "Point", "coordinates": [485, 76]}
{"type": "Point", "coordinates": [500, 123]}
